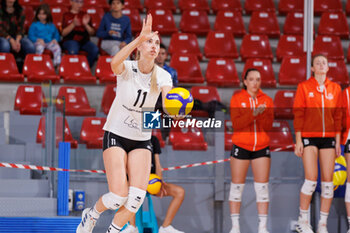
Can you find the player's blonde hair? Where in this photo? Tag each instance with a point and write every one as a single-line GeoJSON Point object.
{"type": "Point", "coordinates": [154, 86]}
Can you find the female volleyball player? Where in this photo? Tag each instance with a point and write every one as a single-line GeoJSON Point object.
{"type": "Point", "coordinates": [346, 142]}
{"type": "Point", "coordinates": [167, 189]}
{"type": "Point", "coordinates": [127, 147]}
{"type": "Point", "coordinates": [317, 124]}
{"type": "Point", "coordinates": [252, 117]}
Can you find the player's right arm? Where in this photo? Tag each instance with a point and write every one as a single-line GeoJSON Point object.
{"type": "Point", "coordinates": [146, 33]}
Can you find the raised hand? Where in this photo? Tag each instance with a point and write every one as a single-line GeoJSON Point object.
{"type": "Point", "coordinates": [146, 32]}
{"type": "Point", "coordinates": [86, 19]}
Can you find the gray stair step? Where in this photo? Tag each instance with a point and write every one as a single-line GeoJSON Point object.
{"type": "Point", "coordinates": [28, 206]}
{"type": "Point", "coordinates": [24, 188]}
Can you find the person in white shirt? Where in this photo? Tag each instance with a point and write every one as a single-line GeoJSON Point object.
{"type": "Point", "coordinates": [127, 147]}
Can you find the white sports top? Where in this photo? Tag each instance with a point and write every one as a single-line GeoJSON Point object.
{"type": "Point", "coordinates": [132, 95]}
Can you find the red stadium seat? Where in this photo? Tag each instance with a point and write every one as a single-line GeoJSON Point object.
{"type": "Point", "coordinates": [230, 21]}
{"type": "Point", "coordinates": [189, 138]}
{"type": "Point", "coordinates": [199, 5]}
{"type": "Point", "coordinates": [321, 6]}
{"type": "Point", "coordinates": [33, 3]}
{"type": "Point", "coordinates": [108, 97]}
{"type": "Point", "coordinates": [103, 70]}
{"type": "Point", "coordinates": [289, 45]}
{"type": "Point", "coordinates": [264, 22]}
{"type": "Point", "coordinates": [39, 68]}
{"type": "Point", "coordinates": [57, 15]}
{"type": "Point", "coordinates": [222, 72]}
{"type": "Point", "coordinates": [265, 68]}
{"type": "Point", "coordinates": [160, 4]}
{"type": "Point", "coordinates": [55, 3]}
{"type": "Point", "coordinates": [184, 43]}
{"type": "Point", "coordinates": [91, 132]}
{"type": "Point", "coordinates": [135, 19]}
{"type": "Point", "coordinates": [204, 94]}
{"type": "Point", "coordinates": [338, 72]}
{"type": "Point", "coordinates": [97, 3]}
{"type": "Point", "coordinates": [347, 7]}
{"type": "Point", "coordinates": [334, 23]}
{"type": "Point", "coordinates": [76, 69]}
{"type": "Point", "coordinates": [255, 46]}
{"type": "Point", "coordinates": [29, 17]}
{"type": "Point", "coordinates": [283, 104]}
{"type": "Point", "coordinates": [187, 67]}
{"type": "Point", "coordinates": [292, 71]}
{"type": "Point", "coordinates": [227, 5]}
{"type": "Point", "coordinates": [8, 69]}
{"type": "Point", "coordinates": [228, 135]}
{"type": "Point", "coordinates": [294, 23]}
{"type": "Point", "coordinates": [133, 4]}
{"type": "Point", "coordinates": [281, 136]}
{"type": "Point", "coordinates": [330, 46]}
{"type": "Point", "coordinates": [163, 21]}
{"type": "Point", "coordinates": [286, 6]}
{"type": "Point", "coordinates": [220, 44]}
{"type": "Point", "coordinates": [259, 5]}
{"type": "Point", "coordinates": [158, 134]}
{"type": "Point", "coordinates": [195, 21]}
{"type": "Point", "coordinates": [29, 100]}
{"type": "Point", "coordinates": [76, 102]}
{"type": "Point", "coordinates": [96, 14]}
{"type": "Point", "coordinates": [40, 135]}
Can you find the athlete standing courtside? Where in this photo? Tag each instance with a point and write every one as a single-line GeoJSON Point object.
{"type": "Point", "coordinates": [346, 142]}
{"type": "Point", "coordinates": [127, 148]}
{"type": "Point", "coordinates": [317, 124]}
{"type": "Point", "coordinates": [252, 118]}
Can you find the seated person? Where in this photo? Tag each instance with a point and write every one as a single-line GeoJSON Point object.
{"type": "Point", "coordinates": [114, 29]}
{"type": "Point", "coordinates": [77, 30]}
{"type": "Point", "coordinates": [167, 189]}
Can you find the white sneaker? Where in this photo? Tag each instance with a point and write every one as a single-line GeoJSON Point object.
{"type": "Point", "coordinates": [169, 229]}
{"type": "Point", "coordinates": [235, 229]}
{"type": "Point", "coordinates": [303, 227]}
{"type": "Point", "coordinates": [263, 230]}
{"type": "Point", "coordinates": [130, 229]}
{"type": "Point", "coordinates": [322, 228]}
{"type": "Point", "coordinates": [87, 223]}
{"type": "Point", "coordinates": [348, 231]}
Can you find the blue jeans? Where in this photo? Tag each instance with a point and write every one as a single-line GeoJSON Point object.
{"type": "Point", "coordinates": [26, 46]}
{"type": "Point", "coordinates": [73, 47]}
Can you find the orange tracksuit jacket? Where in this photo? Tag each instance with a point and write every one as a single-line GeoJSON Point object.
{"type": "Point", "coordinates": [346, 115]}
{"type": "Point", "coordinates": [250, 132]}
{"type": "Point", "coordinates": [317, 113]}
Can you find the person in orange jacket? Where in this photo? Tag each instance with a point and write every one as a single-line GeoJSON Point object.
{"type": "Point", "coordinates": [252, 117]}
{"type": "Point", "coordinates": [346, 142]}
{"type": "Point", "coordinates": [317, 124]}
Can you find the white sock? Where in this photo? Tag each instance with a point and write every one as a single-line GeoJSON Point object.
{"type": "Point", "coordinates": [94, 213]}
{"type": "Point", "coordinates": [349, 220]}
{"type": "Point", "coordinates": [114, 228]}
{"type": "Point", "coordinates": [304, 215]}
{"type": "Point", "coordinates": [235, 219]}
{"type": "Point", "coordinates": [323, 218]}
{"type": "Point", "coordinates": [262, 220]}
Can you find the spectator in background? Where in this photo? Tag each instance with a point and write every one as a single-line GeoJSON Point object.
{"type": "Point", "coordinates": [44, 34]}
{"type": "Point", "coordinates": [12, 29]}
{"type": "Point", "coordinates": [77, 30]}
{"type": "Point", "coordinates": [160, 61]}
{"type": "Point", "coordinates": [115, 28]}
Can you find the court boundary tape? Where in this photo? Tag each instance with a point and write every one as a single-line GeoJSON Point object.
{"type": "Point", "coordinates": [45, 168]}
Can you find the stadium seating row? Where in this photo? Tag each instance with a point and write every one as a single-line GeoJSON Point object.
{"type": "Point", "coordinates": [284, 6]}
{"type": "Point", "coordinates": [31, 99]}
{"type": "Point", "coordinates": [220, 71]}
{"type": "Point", "coordinates": [190, 138]}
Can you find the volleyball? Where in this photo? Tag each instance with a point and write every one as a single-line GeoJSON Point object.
{"type": "Point", "coordinates": [178, 101]}
{"type": "Point", "coordinates": [154, 184]}
{"type": "Point", "coordinates": [339, 175]}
